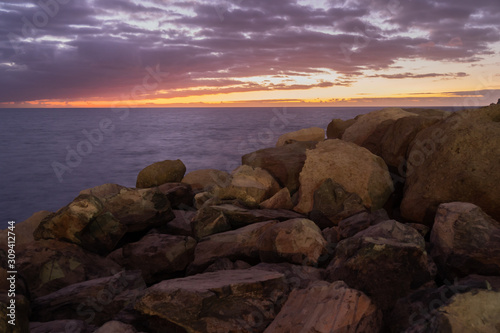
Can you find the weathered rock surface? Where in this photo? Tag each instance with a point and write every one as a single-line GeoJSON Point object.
{"type": "Point", "coordinates": [298, 241]}
{"type": "Point", "coordinates": [180, 195]}
{"type": "Point", "coordinates": [337, 127]}
{"type": "Point", "coordinates": [296, 276]}
{"type": "Point", "coordinates": [385, 261]}
{"type": "Point", "coordinates": [94, 301]}
{"type": "Point", "coordinates": [433, 113]}
{"type": "Point", "coordinates": [465, 240]}
{"type": "Point", "coordinates": [281, 200]}
{"type": "Point", "coordinates": [239, 244]}
{"type": "Point", "coordinates": [283, 163]}
{"type": "Point", "coordinates": [359, 222]}
{"type": "Point", "coordinates": [116, 327]}
{"type": "Point", "coordinates": [181, 224]}
{"type": "Point", "coordinates": [69, 325]}
{"type": "Point", "coordinates": [305, 134]}
{"type": "Point", "coordinates": [19, 313]}
{"type": "Point", "coordinates": [324, 308]}
{"type": "Point", "coordinates": [99, 217]}
{"type": "Point", "coordinates": [332, 203]}
{"type": "Point", "coordinates": [455, 160]}
{"type": "Point", "coordinates": [206, 179]}
{"type": "Point", "coordinates": [249, 185]}
{"type": "Point", "coordinates": [24, 230]}
{"type": "Point", "coordinates": [224, 264]}
{"type": "Point", "coordinates": [366, 124]}
{"type": "Point", "coordinates": [353, 167]}
{"type": "Point", "coordinates": [239, 217]}
{"type": "Point", "coordinates": [49, 265]}
{"type": "Point", "coordinates": [160, 173]}
{"type": "Point", "coordinates": [223, 301]}
{"type": "Point", "coordinates": [158, 256]}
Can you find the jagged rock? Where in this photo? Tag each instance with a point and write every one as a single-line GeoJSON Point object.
{"type": "Point", "coordinates": [332, 203]}
{"type": "Point", "coordinates": [201, 198]}
{"type": "Point", "coordinates": [418, 309]}
{"type": "Point", "coordinates": [24, 230]}
{"type": "Point", "coordinates": [432, 113]}
{"type": "Point", "coordinates": [94, 301]}
{"type": "Point", "coordinates": [160, 173]}
{"type": "Point", "coordinates": [158, 256]}
{"type": "Point", "coordinates": [239, 244]}
{"type": "Point", "coordinates": [250, 185]}
{"type": "Point", "coordinates": [116, 327]}
{"type": "Point", "coordinates": [224, 264]}
{"type": "Point", "coordinates": [473, 311]}
{"type": "Point", "coordinates": [465, 240]}
{"type": "Point", "coordinates": [223, 301]}
{"type": "Point", "coordinates": [366, 124]}
{"type": "Point", "coordinates": [455, 160]}
{"type": "Point", "coordinates": [359, 222]}
{"type": "Point", "coordinates": [385, 261]}
{"type": "Point", "coordinates": [421, 228]}
{"type": "Point", "coordinates": [181, 196]}
{"type": "Point", "coordinates": [17, 313]}
{"type": "Point", "coordinates": [62, 326]}
{"type": "Point", "coordinates": [337, 127]}
{"type": "Point", "coordinates": [298, 241]}
{"type": "Point", "coordinates": [332, 236]}
{"type": "Point", "coordinates": [283, 163]}
{"type": "Point", "coordinates": [181, 224]}
{"type": "Point", "coordinates": [324, 308]}
{"type": "Point", "coordinates": [208, 221]}
{"type": "Point", "coordinates": [99, 217]}
{"type": "Point", "coordinates": [49, 265]}
{"type": "Point", "coordinates": [305, 134]}
{"type": "Point", "coordinates": [206, 179]}
{"type": "Point", "coordinates": [296, 276]}
{"type": "Point", "coordinates": [353, 167]}
{"type": "Point", "coordinates": [281, 200]}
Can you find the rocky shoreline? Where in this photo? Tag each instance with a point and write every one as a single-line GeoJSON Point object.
{"type": "Point", "coordinates": [390, 224]}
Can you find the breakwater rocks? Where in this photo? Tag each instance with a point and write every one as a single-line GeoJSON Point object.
{"type": "Point", "coordinates": [390, 224]}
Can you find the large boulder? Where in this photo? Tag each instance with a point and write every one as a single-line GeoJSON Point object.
{"type": "Point", "coordinates": [249, 185]}
{"type": "Point", "coordinates": [283, 163]}
{"type": "Point", "coordinates": [385, 261]}
{"type": "Point", "coordinates": [465, 240]}
{"type": "Point", "coordinates": [181, 224]}
{"type": "Point", "coordinates": [159, 173]}
{"type": "Point", "coordinates": [14, 318]}
{"type": "Point", "coordinates": [324, 308]}
{"type": "Point", "coordinates": [355, 168]}
{"type": "Point", "coordinates": [305, 134]}
{"type": "Point", "coordinates": [281, 200]}
{"type": "Point", "coordinates": [99, 217]}
{"type": "Point", "coordinates": [24, 230]}
{"type": "Point", "coordinates": [49, 265]}
{"type": "Point", "coordinates": [180, 195]}
{"type": "Point", "coordinates": [455, 160]}
{"type": "Point", "coordinates": [206, 179]}
{"type": "Point", "coordinates": [297, 241]}
{"type": "Point", "coordinates": [209, 221]}
{"type": "Point", "coordinates": [157, 256]}
{"type": "Point", "coordinates": [337, 127]}
{"type": "Point", "coordinates": [368, 123]}
{"type": "Point", "coordinates": [223, 301]}
{"type": "Point", "coordinates": [296, 276]}
{"type": "Point", "coordinates": [94, 301]}
{"type": "Point", "coordinates": [239, 244]}
{"type": "Point", "coordinates": [359, 222]}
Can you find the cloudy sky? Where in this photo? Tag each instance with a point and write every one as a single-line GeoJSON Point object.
{"type": "Point", "coordinates": [100, 53]}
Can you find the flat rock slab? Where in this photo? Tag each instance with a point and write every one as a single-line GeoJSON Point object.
{"type": "Point", "coordinates": [223, 301]}
{"type": "Point", "coordinates": [324, 308]}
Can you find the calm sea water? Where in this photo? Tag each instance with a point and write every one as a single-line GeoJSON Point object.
{"type": "Point", "coordinates": [39, 169]}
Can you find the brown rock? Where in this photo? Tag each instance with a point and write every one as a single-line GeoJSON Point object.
{"type": "Point", "coordinates": [359, 222]}
{"type": "Point", "coordinates": [353, 167]}
{"type": "Point", "coordinates": [455, 160]}
{"type": "Point", "coordinates": [228, 301]}
{"type": "Point", "coordinates": [224, 264]}
{"type": "Point", "coordinates": [305, 134]}
{"type": "Point", "coordinates": [298, 241]}
{"type": "Point", "coordinates": [239, 244]}
{"type": "Point", "coordinates": [209, 221]}
{"type": "Point", "coordinates": [61, 326]}
{"type": "Point", "coordinates": [283, 163]}
{"type": "Point", "coordinates": [181, 224]}
{"type": "Point", "coordinates": [386, 261]}
{"type": "Point", "coordinates": [159, 173]}
{"type": "Point", "coordinates": [18, 314]}
{"type": "Point", "coordinates": [281, 200]}
{"type": "Point", "coordinates": [368, 123]}
{"type": "Point", "coordinates": [181, 196]}
{"type": "Point", "coordinates": [296, 276]}
{"type": "Point", "coordinates": [49, 265]}
{"type": "Point", "coordinates": [465, 240]}
{"type": "Point", "coordinates": [24, 230]}
{"type": "Point", "coordinates": [94, 301]}
{"type": "Point", "coordinates": [337, 127]}
{"type": "Point", "coordinates": [324, 308]}
{"type": "Point", "coordinates": [206, 179]}
{"type": "Point", "coordinates": [159, 256]}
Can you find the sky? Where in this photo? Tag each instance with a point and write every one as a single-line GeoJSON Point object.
{"type": "Point", "coordinates": [197, 53]}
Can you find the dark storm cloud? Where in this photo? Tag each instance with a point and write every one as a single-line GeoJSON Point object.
{"type": "Point", "coordinates": [101, 48]}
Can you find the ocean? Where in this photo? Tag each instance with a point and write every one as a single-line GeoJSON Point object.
{"type": "Point", "coordinates": [49, 155]}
